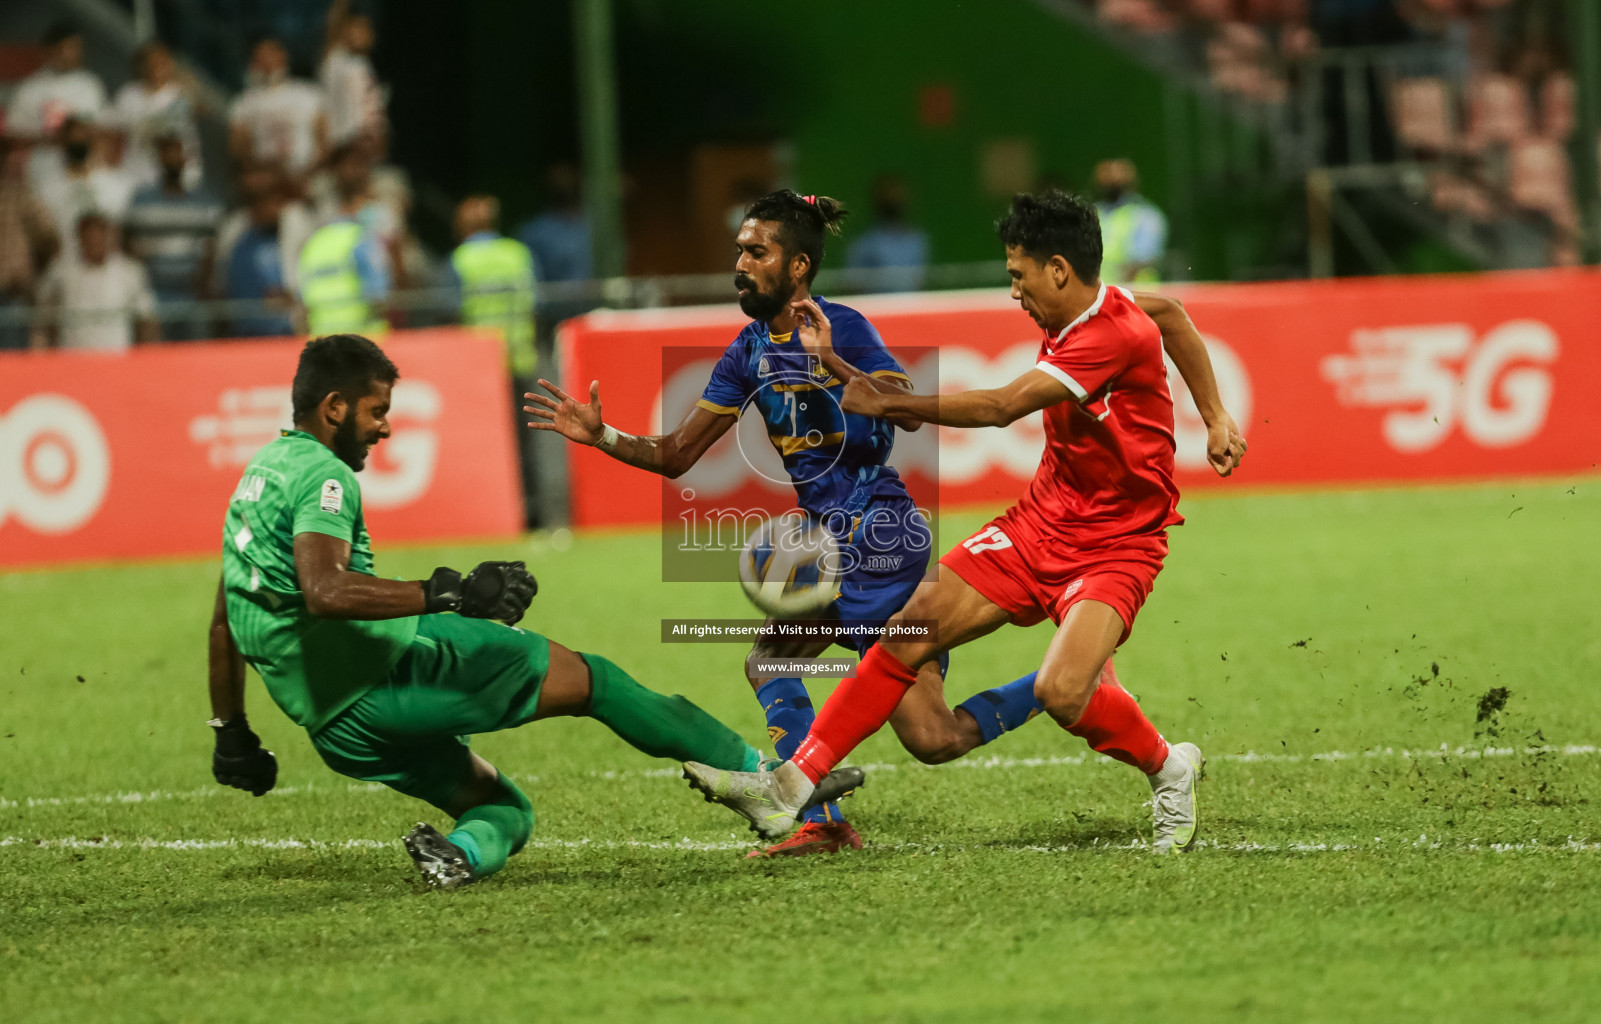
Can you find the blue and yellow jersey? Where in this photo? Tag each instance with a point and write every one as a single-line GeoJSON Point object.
{"type": "Point", "coordinates": [835, 460]}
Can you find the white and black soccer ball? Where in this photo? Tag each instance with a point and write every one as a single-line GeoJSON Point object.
{"type": "Point", "coordinates": [790, 568]}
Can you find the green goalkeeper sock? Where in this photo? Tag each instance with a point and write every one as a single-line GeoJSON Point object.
{"type": "Point", "coordinates": [663, 726]}
{"type": "Point", "coordinates": [493, 831]}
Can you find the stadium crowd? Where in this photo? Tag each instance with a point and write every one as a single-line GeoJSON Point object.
{"type": "Point", "coordinates": [1477, 92]}
{"type": "Point", "coordinates": [113, 229]}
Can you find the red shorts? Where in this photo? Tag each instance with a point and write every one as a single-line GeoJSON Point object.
{"type": "Point", "coordinates": [1034, 576]}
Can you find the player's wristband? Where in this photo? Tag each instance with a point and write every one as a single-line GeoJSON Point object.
{"type": "Point", "coordinates": [608, 437]}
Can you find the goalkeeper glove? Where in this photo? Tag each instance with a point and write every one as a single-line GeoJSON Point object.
{"type": "Point", "coordinates": [493, 590]}
{"type": "Point", "coordinates": [240, 760]}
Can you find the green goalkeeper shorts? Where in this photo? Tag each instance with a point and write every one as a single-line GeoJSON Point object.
{"type": "Point", "coordinates": [460, 677]}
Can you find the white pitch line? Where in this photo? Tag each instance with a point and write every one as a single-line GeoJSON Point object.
{"type": "Point", "coordinates": [992, 763]}
{"type": "Point", "coordinates": [1377, 845]}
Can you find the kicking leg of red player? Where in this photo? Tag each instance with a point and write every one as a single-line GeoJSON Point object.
{"type": "Point", "coordinates": [859, 706]}
{"type": "Point", "coordinates": [863, 703]}
{"type": "Point", "coordinates": [1077, 687]}
{"type": "Point", "coordinates": [1111, 721]}
{"type": "Point", "coordinates": [1114, 725]}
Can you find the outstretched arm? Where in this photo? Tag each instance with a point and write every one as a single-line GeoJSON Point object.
{"type": "Point", "coordinates": [671, 455]}
{"type": "Point", "coordinates": [227, 665]}
{"type": "Point", "coordinates": [817, 336]}
{"type": "Point", "coordinates": [991, 407]}
{"type": "Point", "coordinates": [1225, 447]}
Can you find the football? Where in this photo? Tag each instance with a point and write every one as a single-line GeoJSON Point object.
{"type": "Point", "coordinates": [790, 568]}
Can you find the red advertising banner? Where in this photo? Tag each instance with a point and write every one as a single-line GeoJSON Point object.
{"type": "Point", "coordinates": [135, 455]}
{"type": "Point", "coordinates": [1333, 382]}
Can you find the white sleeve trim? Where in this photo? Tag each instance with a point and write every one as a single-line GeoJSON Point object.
{"type": "Point", "coordinates": [1062, 375]}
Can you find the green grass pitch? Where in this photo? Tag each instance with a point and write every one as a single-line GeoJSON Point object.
{"type": "Point", "coordinates": [1402, 878]}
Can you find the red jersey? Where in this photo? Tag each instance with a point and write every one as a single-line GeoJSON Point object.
{"type": "Point", "coordinates": [1107, 472]}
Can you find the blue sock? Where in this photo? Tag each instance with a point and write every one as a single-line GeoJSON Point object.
{"type": "Point", "coordinates": [1004, 708]}
{"type": "Point", "coordinates": [789, 717]}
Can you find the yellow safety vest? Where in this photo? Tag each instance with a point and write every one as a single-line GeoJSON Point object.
{"type": "Point", "coordinates": [1117, 231]}
{"type": "Point", "coordinates": [497, 292]}
{"type": "Point", "coordinates": [330, 286]}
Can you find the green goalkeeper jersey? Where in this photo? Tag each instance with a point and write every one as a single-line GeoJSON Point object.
{"type": "Point", "coordinates": [314, 668]}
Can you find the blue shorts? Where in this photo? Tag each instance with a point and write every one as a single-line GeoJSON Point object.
{"type": "Point", "coordinates": [887, 554]}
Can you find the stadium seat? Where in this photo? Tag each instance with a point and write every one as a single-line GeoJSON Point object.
{"type": "Point", "coordinates": [1424, 120]}
{"type": "Point", "coordinates": [1140, 15]}
{"type": "Point", "coordinates": [1212, 10]}
{"type": "Point", "coordinates": [1557, 95]}
{"type": "Point", "coordinates": [1539, 181]}
{"type": "Point", "coordinates": [1498, 112]}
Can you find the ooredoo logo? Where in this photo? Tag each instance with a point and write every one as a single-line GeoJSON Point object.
{"type": "Point", "coordinates": [55, 465]}
{"type": "Point", "coordinates": [399, 472]}
{"type": "Point", "coordinates": [1233, 387]}
{"type": "Point", "coordinates": [1436, 378]}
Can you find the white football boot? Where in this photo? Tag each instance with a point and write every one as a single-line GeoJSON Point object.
{"type": "Point", "coordinates": [770, 801]}
{"type": "Point", "coordinates": [1173, 799]}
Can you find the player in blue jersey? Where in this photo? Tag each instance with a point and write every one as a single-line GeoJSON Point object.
{"type": "Point", "coordinates": [836, 461]}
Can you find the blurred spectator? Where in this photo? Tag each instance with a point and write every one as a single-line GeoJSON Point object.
{"type": "Point", "coordinates": [28, 240]}
{"type": "Point", "coordinates": [155, 104]}
{"type": "Point", "coordinates": [495, 276]}
{"type": "Point", "coordinates": [257, 250]}
{"type": "Point", "coordinates": [893, 247]}
{"type": "Point", "coordinates": [84, 183]}
{"type": "Point", "coordinates": [278, 119]}
{"type": "Point", "coordinates": [349, 192]}
{"type": "Point", "coordinates": [355, 99]}
{"type": "Point", "coordinates": [172, 227]}
{"type": "Point", "coordinates": [46, 99]}
{"type": "Point", "coordinates": [97, 299]}
{"type": "Point", "coordinates": [559, 237]}
{"type": "Point", "coordinates": [343, 280]}
{"type": "Point", "coordinates": [1133, 230]}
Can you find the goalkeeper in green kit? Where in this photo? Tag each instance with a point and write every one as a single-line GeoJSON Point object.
{"type": "Point", "coordinates": [385, 684]}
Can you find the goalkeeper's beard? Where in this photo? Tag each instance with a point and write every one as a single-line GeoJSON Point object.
{"type": "Point", "coordinates": [348, 445]}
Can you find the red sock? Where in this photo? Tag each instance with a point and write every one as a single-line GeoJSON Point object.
{"type": "Point", "coordinates": [1114, 725]}
{"type": "Point", "coordinates": [857, 709]}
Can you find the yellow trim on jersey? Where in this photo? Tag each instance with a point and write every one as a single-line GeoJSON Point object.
{"type": "Point", "coordinates": [781, 338]}
{"type": "Point", "coordinates": [891, 373]}
{"type": "Point", "coordinates": [829, 383]}
{"type": "Point", "coordinates": [790, 445]}
{"type": "Point", "coordinates": [721, 410]}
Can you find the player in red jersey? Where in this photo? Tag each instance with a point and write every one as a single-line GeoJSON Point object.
{"type": "Point", "coordinates": [1082, 547]}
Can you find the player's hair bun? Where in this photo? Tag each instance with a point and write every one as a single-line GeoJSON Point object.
{"type": "Point", "coordinates": [831, 210]}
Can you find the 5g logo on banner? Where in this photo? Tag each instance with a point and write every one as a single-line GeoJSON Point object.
{"type": "Point", "coordinates": [55, 465]}
{"type": "Point", "coordinates": [1437, 378]}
